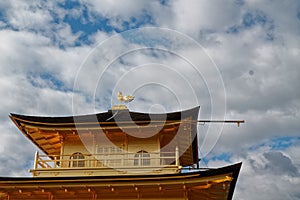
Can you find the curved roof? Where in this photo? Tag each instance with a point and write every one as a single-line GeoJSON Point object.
{"type": "Point", "coordinates": [210, 184]}
{"type": "Point", "coordinates": [107, 117]}
{"type": "Point", "coordinates": [46, 132]}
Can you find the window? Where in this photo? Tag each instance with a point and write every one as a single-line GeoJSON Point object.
{"type": "Point", "coordinates": [109, 150]}
{"type": "Point", "coordinates": [142, 158]}
{"type": "Point", "coordinates": [109, 155]}
{"type": "Point", "coordinates": [77, 160]}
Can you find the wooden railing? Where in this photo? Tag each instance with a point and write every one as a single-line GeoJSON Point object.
{"type": "Point", "coordinates": [116, 160]}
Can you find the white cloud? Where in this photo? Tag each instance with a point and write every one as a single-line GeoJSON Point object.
{"type": "Point", "coordinates": [259, 64]}
{"type": "Point", "coordinates": [268, 174]}
{"type": "Point", "coordinates": [25, 16]}
{"type": "Point", "coordinates": [113, 9]}
{"type": "Point", "coordinates": [16, 152]}
{"type": "Point", "coordinates": [213, 15]}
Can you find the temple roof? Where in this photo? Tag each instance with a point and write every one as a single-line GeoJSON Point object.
{"type": "Point", "coordinates": [106, 118]}
{"type": "Point", "coordinates": [47, 132]}
{"type": "Point", "coordinates": [210, 184]}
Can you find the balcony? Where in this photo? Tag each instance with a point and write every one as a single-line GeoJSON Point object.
{"type": "Point", "coordinates": [106, 164]}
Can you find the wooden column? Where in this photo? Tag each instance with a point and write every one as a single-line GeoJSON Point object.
{"type": "Point", "coordinates": [177, 156]}
{"type": "Point", "coordinates": [36, 158]}
{"type": "Point", "coordinates": [61, 151]}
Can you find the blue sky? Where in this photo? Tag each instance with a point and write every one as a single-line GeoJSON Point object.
{"type": "Point", "coordinates": [237, 59]}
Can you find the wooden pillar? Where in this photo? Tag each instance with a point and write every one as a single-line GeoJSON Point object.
{"type": "Point", "coordinates": [61, 151]}
{"type": "Point", "coordinates": [93, 162]}
{"type": "Point", "coordinates": [177, 156]}
{"type": "Point", "coordinates": [36, 158]}
{"type": "Point", "coordinates": [55, 161]}
{"type": "Point", "coordinates": [185, 193]}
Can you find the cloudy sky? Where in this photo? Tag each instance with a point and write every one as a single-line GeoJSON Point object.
{"type": "Point", "coordinates": [237, 59]}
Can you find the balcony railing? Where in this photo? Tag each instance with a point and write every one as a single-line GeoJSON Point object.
{"type": "Point", "coordinates": [103, 160]}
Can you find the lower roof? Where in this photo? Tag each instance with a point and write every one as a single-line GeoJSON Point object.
{"type": "Point", "coordinates": [217, 183]}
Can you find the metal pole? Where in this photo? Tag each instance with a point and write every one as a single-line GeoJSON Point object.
{"type": "Point", "coordinates": [238, 122]}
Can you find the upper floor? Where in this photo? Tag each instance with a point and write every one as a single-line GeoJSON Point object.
{"type": "Point", "coordinates": [112, 143]}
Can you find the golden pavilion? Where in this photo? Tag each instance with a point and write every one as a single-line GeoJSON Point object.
{"type": "Point", "coordinates": [117, 155]}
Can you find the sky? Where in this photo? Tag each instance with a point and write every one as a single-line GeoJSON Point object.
{"type": "Point", "coordinates": [237, 59]}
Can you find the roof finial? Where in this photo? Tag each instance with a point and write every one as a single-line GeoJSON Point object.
{"type": "Point", "coordinates": [126, 99]}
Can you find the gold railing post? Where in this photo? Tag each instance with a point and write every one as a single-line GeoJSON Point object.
{"type": "Point", "coordinates": [36, 158]}
{"type": "Point", "coordinates": [55, 161]}
{"type": "Point", "coordinates": [177, 156]}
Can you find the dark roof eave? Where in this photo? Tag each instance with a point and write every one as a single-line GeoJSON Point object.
{"type": "Point", "coordinates": [110, 116]}
{"type": "Point", "coordinates": [235, 168]}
